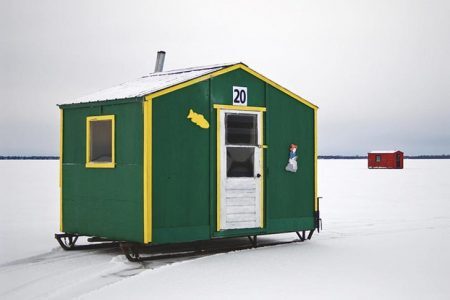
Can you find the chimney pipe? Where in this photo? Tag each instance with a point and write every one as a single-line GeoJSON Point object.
{"type": "Point", "coordinates": [160, 61]}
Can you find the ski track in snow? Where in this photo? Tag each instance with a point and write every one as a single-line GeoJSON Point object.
{"type": "Point", "coordinates": [401, 214]}
{"type": "Point", "coordinates": [61, 274]}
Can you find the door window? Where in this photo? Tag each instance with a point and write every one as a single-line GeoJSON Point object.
{"type": "Point", "coordinates": [240, 161]}
{"type": "Point", "coordinates": [241, 137]}
{"type": "Point", "coordinates": [241, 129]}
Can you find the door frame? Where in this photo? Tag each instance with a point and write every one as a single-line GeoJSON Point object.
{"type": "Point", "coordinates": [262, 146]}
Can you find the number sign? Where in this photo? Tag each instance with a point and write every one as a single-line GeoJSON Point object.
{"type": "Point", "coordinates": [240, 95]}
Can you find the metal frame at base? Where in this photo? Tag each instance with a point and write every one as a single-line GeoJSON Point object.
{"type": "Point", "coordinates": [134, 251]}
{"type": "Point", "coordinates": [68, 241]}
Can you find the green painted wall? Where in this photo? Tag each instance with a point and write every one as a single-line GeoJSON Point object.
{"type": "Point", "coordinates": [104, 202]}
{"type": "Point", "coordinates": [222, 88]}
{"type": "Point", "coordinates": [289, 196]}
{"type": "Point", "coordinates": [181, 166]}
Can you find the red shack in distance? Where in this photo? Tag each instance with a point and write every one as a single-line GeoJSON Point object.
{"type": "Point", "coordinates": [385, 159]}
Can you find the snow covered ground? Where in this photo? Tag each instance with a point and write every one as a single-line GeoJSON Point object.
{"type": "Point", "coordinates": [386, 236]}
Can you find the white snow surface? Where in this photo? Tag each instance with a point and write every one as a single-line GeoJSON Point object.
{"type": "Point", "coordinates": [386, 235]}
{"type": "Point", "coordinates": [149, 84]}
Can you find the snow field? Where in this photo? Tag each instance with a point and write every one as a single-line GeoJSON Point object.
{"type": "Point", "coordinates": [386, 235]}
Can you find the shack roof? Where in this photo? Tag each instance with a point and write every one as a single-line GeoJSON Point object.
{"type": "Point", "coordinates": [156, 82]}
{"type": "Point", "coordinates": [384, 151]}
{"type": "Point", "coordinates": [148, 84]}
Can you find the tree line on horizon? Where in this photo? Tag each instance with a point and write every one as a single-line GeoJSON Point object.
{"type": "Point", "coordinates": [23, 157]}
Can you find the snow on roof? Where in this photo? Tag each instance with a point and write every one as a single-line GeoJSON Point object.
{"type": "Point", "coordinates": [150, 83]}
{"type": "Point", "coordinates": [384, 151]}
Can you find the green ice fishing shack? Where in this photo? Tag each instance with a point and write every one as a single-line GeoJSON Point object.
{"type": "Point", "coordinates": [187, 155]}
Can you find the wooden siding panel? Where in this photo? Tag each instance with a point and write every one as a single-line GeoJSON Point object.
{"type": "Point", "coordinates": [290, 196]}
{"type": "Point", "coordinates": [181, 166]}
{"type": "Point", "coordinates": [104, 202]}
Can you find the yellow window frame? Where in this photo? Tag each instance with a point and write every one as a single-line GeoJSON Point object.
{"type": "Point", "coordinates": [89, 163]}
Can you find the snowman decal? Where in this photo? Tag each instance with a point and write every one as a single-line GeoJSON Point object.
{"type": "Point", "coordinates": [292, 163]}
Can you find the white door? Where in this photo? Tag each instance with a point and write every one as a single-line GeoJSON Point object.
{"type": "Point", "coordinates": [240, 169]}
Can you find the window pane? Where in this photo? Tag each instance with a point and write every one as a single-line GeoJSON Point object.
{"type": "Point", "coordinates": [101, 141]}
{"type": "Point", "coordinates": [240, 161]}
{"type": "Point", "coordinates": [241, 129]}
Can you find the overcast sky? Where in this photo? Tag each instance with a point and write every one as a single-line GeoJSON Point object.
{"type": "Point", "coordinates": [378, 70]}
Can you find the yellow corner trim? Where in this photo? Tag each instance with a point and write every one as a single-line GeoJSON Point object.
{"type": "Point", "coordinates": [218, 187]}
{"type": "Point", "coordinates": [315, 161]}
{"type": "Point", "coordinates": [261, 167]}
{"type": "Point", "coordinates": [89, 163]}
{"type": "Point", "coordinates": [147, 107]}
{"type": "Point", "coordinates": [233, 107]}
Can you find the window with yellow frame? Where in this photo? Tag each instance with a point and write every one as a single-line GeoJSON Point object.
{"type": "Point", "coordinates": [100, 146]}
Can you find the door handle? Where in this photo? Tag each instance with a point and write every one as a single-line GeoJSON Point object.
{"type": "Point", "coordinates": [258, 175]}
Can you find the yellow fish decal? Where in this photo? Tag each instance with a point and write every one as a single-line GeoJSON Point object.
{"type": "Point", "coordinates": [198, 119]}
